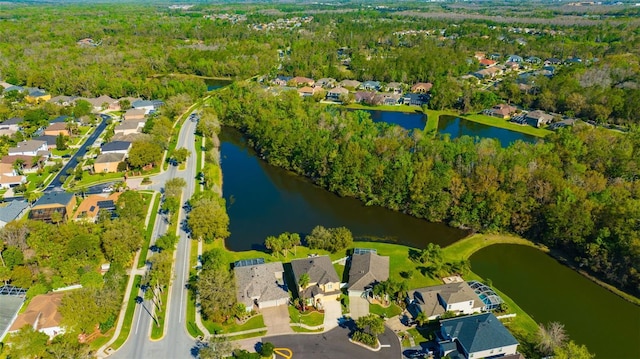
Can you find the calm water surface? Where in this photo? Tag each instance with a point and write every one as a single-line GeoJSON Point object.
{"type": "Point", "coordinates": [549, 291]}
{"type": "Point", "coordinates": [407, 120]}
{"type": "Point", "coordinates": [457, 127]}
{"type": "Point", "coordinates": [213, 84]}
{"type": "Point", "coordinates": [263, 200]}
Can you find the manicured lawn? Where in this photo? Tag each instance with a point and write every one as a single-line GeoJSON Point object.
{"type": "Point", "coordinates": [298, 329]}
{"type": "Point", "coordinates": [391, 311]}
{"type": "Point", "coordinates": [157, 331]}
{"type": "Point", "coordinates": [128, 316]}
{"type": "Point", "coordinates": [464, 248]}
{"type": "Point", "coordinates": [101, 340]}
{"type": "Point", "coordinates": [261, 333]}
{"type": "Point", "coordinates": [255, 322]}
{"type": "Point", "coordinates": [417, 336]}
{"type": "Point", "coordinates": [97, 178]}
{"type": "Point", "coordinates": [192, 328]}
{"type": "Point", "coordinates": [311, 319]}
{"type": "Point", "coordinates": [501, 123]}
{"type": "Point", "coordinates": [56, 152]}
{"type": "Point", "coordinates": [142, 260]}
{"type": "Point", "coordinates": [36, 181]}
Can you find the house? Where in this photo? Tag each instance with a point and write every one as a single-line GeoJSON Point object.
{"type": "Point", "coordinates": [487, 63]}
{"type": "Point", "coordinates": [101, 103]}
{"type": "Point", "coordinates": [337, 94]}
{"type": "Point", "coordinates": [56, 129]}
{"type": "Point", "coordinates": [324, 284]}
{"type": "Point", "coordinates": [90, 208]}
{"type": "Point", "coordinates": [326, 82]}
{"type": "Point", "coordinates": [512, 66]}
{"type": "Point", "coordinates": [515, 58]}
{"type": "Point", "coordinates": [502, 110]}
{"type": "Point", "coordinates": [260, 284]}
{"type": "Point", "coordinates": [489, 72]}
{"type": "Point", "coordinates": [282, 80]}
{"type": "Point", "coordinates": [367, 269]}
{"type": "Point", "coordinates": [128, 128]}
{"type": "Point", "coordinates": [552, 61]}
{"type": "Point", "coordinates": [11, 125]}
{"type": "Point", "coordinates": [50, 140]}
{"type": "Point", "coordinates": [538, 118]}
{"type": "Point", "coordinates": [370, 86]}
{"type": "Point", "coordinates": [107, 162]}
{"type": "Point", "coordinates": [53, 202]}
{"type": "Point", "coordinates": [421, 87]}
{"type": "Point", "coordinates": [476, 336]}
{"type": "Point", "coordinates": [564, 123]}
{"type": "Point", "coordinates": [62, 119]}
{"type": "Point", "coordinates": [7, 182]}
{"type": "Point", "coordinates": [134, 114]}
{"type": "Point", "coordinates": [533, 60]}
{"type": "Point", "coordinates": [42, 315]}
{"type": "Point", "coordinates": [122, 147]}
{"type": "Point", "coordinates": [12, 211]}
{"type": "Point", "coordinates": [395, 87]}
{"type": "Point", "coordinates": [30, 164]}
{"type": "Point", "coordinates": [307, 91]}
{"type": "Point", "coordinates": [388, 98]}
{"type": "Point", "coordinates": [299, 80]}
{"type": "Point", "coordinates": [62, 100]}
{"type": "Point", "coordinates": [147, 105]}
{"type": "Point", "coordinates": [367, 97]}
{"type": "Point", "coordinates": [495, 56]}
{"type": "Point", "coordinates": [416, 99]}
{"type": "Point", "coordinates": [453, 297]}
{"type": "Point", "coordinates": [479, 55]}
{"type": "Point", "coordinates": [351, 84]}
{"type": "Point", "coordinates": [28, 148]}
{"type": "Point", "coordinates": [36, 95]}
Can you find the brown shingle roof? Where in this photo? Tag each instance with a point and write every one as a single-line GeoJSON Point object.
{"type": "Point", "coordinates": [42, 312]}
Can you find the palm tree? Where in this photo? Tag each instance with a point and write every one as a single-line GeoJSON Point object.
{"type": "Point", "coordinates": [304, 281]}
{"type": "Point", "coordinates": [421, 318]}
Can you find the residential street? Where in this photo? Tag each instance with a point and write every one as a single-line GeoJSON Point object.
{"type": "Point", "coordinates": [176, 342]}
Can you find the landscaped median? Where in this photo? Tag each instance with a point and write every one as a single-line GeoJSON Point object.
{"type": "Point", "coordinates": [128, 316]}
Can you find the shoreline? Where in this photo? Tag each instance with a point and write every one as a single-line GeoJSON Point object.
{"type": "Point", "coordinates": [155, 76]}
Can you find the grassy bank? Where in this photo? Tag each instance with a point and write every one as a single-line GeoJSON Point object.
{"type": "Point", "coordinates": [142, 260]}
{"type": "Point", "coordinates": [128, 315]}
{"type": "Point", "coordinates": [390, 108]}
{"type": "Point", "coordinates": [501, 123]}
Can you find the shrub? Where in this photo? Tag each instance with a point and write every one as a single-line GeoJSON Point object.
{"type": "Point", "coordinates": [364, 338]}
{"type": "Point", "coordinates": [267, 350]}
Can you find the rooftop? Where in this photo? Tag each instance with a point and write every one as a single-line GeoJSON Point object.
{"type": "Point", "coordinates": [56, 197]}
{"type": "Point", "coordinates": [367, 269]}
{"type": "Point", "coordinates": [41, 311]}
{"type": "Point", "coordinates": [115, 146]}
{"type": "Point", "coordinates": [319, 269]}
{"type": "Point", "coordinates": [478, 332]}
{"type": "Point", "coordinates": [12, 210]}
{"type": "Point", "coordinates": [263, 282]}
{"type": "Point", "coordinates": [110, 157]}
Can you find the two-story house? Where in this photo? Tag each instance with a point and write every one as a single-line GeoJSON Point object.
{"type": "Point", "coordinates": [434, 301]}
{"type": "Point", "coordinates": [28, 148]}
{"type": "Point", "coordinates": [476, 336]}
{"type": "Point", "coordinates": [322, 280]}
{"type": "Point", "coordinates": [260, 284]}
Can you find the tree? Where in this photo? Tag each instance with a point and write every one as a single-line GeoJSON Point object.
{"type": "Point", "coordinates": [332, 239]}
{"type": "Point", "coordinates": [273, 244]}
{"type": "Point", "coordinates": [82, 108]}
{"type": "Point", "coordinates": [571, 350]}
{"type": "Point", "coordinates": [61, 143]}
{"type": "Point", "coordinates": [303, 282]}
{"type": "Point", "coordinates": [208, 219]}
{"type": "Point", "coordinates": [181, 154]}
{"type": "Point", "coordinates": [79, 310]}
{"type": "Point", "coordinates": [28, 343]}
{"type": "Point", "coordinates": [421, 318]}
{"type": "Point", "coordinates": [217, 294]}
{"type": "Point", "coordinates": [217, 347]}
{"type": "Point", "coordinates": [174, 186]}
{"type": "Point", "coordinates": [130, 207]}
{"type": "Point", "coordinates": [550, 337]}
{"type": "Point", "coordinates": [144, 153]}
{"type": "Point", "coordinates": [266, 350]}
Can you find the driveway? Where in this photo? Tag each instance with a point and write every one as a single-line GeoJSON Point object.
{"type": "Point", "coordinates": [332, 312]}
{"type": "Point", "coordinates": [358, 307]}
{"type": "Point", "coordinates": [277, 320]}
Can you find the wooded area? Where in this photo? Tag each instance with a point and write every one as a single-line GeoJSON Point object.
{"type": "Point", "coordinates": [577, 190]}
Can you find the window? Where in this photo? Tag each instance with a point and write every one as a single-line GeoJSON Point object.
{"type": "Point", "coordinates": [329, 286]}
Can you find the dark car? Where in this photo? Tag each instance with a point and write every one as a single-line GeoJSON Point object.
{"type": "Point", "coordinates": [411, 354]}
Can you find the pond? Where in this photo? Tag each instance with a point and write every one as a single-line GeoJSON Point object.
{"type": "Point", "coordinates": [549, 291]}
{"type": "Point", "coordinates": [213, 84]}
{"type": "Point", "coordinates": [407, 120]}
{"type": "Point", "coordinates": [457, 127]}
{"type": "Point", "coordinates": [263, 200]}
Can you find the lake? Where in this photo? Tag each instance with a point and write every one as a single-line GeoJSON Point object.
{"type": "Point", "coordinates": [213, 84]}
{"type": "Point", "coordinates": [457, 127]}
{"type": "Point", "coordinates": [263, 200]}
{"type": "Point", "coordinates": [407, 120]}
{"type": "Point", "coordinates": [549, 291]}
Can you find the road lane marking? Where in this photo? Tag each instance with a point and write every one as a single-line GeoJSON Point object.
{"type": "Point", "coordinates": [138, 322]}
{"type": "Point", "coordinates": [186, 264]}
{"type": "Point", "coordinates": [284, 352]}
{"type": "Point", "coordinates": [385, 345]}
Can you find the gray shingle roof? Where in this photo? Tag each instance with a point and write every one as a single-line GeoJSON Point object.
{"type": "Point", "coordinates": [50, 140]}
{"type": "Point", "coordinates": [12, 121]}
{"type": "Point", "coordinates": [11, 211]}
{"type": "Point", "coordinates": [454, 292]}
{"type": "Point", "coordinates": [478, 332]}
{"type": "Point", "coordinates": [110, 157]}
{"type": "Point", "coordinates": [263, 282]}
{"type": "Point", "coordinates": [367, 269]}
{"type": "Point", "coordinates": [115, 146]}
{"type": "Point", "coordinates": [319, 268]}
{"type": "Point", "coordinates": [58, 197]}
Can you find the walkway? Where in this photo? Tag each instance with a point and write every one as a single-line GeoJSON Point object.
{"type": "Point", "coordinates": [276, 319]}
{"type": "Point", "coordinates": [332, 313]}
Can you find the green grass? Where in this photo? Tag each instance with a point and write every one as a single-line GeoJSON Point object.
{"type": "Point", "coordinates": [417, 336]}
{"type": "Point", "coordinates": [298, 329]}
{"type": "Point", "coordinates": [56, 152]}
{"type": "Point", "coordinates": [192, 328]}
{"type": "Point", "coordinates": [501, 123]}
{"type": "Point", "coordinates": [261, 333]}
{"type": "Point", "coordinates": [391, 311]}
{"type": "Point", "coordinates": [311, 319]}
{"type": "Point", "coordinates": [142, 260]}
{"type": "Point", "coordinates": [128, 316]}
{"type": "Point", "coordinates": [35, 180]}
{"type": "Point", "coordinates": [99, 342]}
{"type": "Point", "coordinates": [255, 322]}
{"type": "Point", "coordinates": [97, 178]}
{"type": "Point", "coordinates": [157, 331]}
{"type": "Point", "coordinates": [464, 248]}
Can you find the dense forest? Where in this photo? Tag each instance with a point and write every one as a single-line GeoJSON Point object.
{"type": "Point", "coordinates": [134, 46]}
{"type": "Point", "coordinates": [576, 190]}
